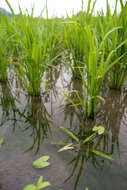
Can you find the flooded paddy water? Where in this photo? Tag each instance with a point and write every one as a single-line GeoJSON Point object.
{"type": "Point", "coordinates": [30, 127]}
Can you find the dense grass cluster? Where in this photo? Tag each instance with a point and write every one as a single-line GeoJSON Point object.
{"type": "Point", "coordinates": [95, 49]}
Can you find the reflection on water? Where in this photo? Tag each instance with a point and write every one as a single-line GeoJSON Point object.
{"type": "Point", "coordinates": [7, 105]}
{"type": "Point", "coordinates": [37, 119]}
{"type": "Point", "coordinates": [34, 124]}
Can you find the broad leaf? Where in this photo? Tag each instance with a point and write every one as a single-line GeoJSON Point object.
{"type": "Point", "coordinates": [99, 129]}
{"type": "Point", "coordinates": [41, 162]}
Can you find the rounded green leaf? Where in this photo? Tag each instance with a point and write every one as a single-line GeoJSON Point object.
{"type": "Point", "coordinates": [99, 129]}
{"type": "Point", "coordinates": [41, 162]}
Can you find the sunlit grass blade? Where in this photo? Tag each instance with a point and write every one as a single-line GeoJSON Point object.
{"type": "Point", "coordinates": [101, 154]}
{"type": "Point", "coordinates": [70, 134]}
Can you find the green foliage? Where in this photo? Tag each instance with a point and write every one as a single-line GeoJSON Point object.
{"type": "Point", "coordinates": [42, 162]}
{"type": "Point", "coordinates": [34, 47]}
{"type": "Point", "coordinates": [117, 74]}
{"type": "Point", "coordinates": [40, 185]}
{"type": "Point", "coordinates": [3, 50]}
{"type": "Point", "coordinates": [98, 130]}
{"type": "Point", "coordinates": [1, 142]}
{"type": "Point", "coordinates": [70, 134]}
{"type": "Point", "coordinates": [75, 38]}
{"type": "Point", "coordinates": [96, 67]}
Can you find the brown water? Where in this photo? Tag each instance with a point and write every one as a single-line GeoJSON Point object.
{"type": "Point", "coordinates": [30, 128]}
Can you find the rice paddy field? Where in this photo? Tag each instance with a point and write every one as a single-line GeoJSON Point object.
{"type": "Point", "coordinates": [63, 100]}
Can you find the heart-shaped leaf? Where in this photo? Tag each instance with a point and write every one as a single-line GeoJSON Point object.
{"type": "Point", "coordinates": [41, 162]}
{"type": "Point", "coordinates": [99, 129]}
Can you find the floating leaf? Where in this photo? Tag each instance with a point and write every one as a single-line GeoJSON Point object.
{"type": "Point", "coordinates": [40, 185]}
{"type": "Point", "coordinates": [43, 185]}
{"type": "Point", "coordinates": [40, 180]}
{"type": "Point", "coordinates": [66, 147]}
{"type": "Point", "coordinates": [101, 154]}
{"type": "Point", "coordinates": [99, 129]}
{"type": "Point", "coordinates": [30, 187]}
{"type": "Point", "coordinates": [1, 141]}
{"type": "Point", "coordinates": [41, 162]}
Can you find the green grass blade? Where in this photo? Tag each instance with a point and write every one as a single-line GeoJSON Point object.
{"type": "Point", "coordinates": [70, 134]}
{"type": "Point", "coordinates": [101, 154]}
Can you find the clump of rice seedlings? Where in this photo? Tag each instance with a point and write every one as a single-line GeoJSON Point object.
{"type": "Point", "coordinates": [75, 37]}
{"type": "Point", "coordinates": [38, 43]}
{"type": "Point", "coordinates": [96, 67]}
{"type": "Point", "coordinates": [118, 73]}
{"type": "Point", "coordinates": [3, 51]}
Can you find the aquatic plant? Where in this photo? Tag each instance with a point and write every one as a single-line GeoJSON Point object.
{"type": "Point", "coordinates": [85, 149]}
{"type": "Point", "coordinates": [75, 37]}
{"type": "Point", "coordinates": [98, 130]}
{"type": "Point", "coordinates": [118, 73]}
{"type": "Point", "coordinates": [41, 162]}
{"type": "Point", "coordinates": [33, 65]}
{"type": "Point", "coordinates": [38, 43]}
{"type": "Point", "coordinates": [40, 185]}
{"type": "Point", "coordinates": [1, 141]}
{"type": "Point", "coordinates": [95, 69]}
{"type": "Point", "coordinates": [3, 50]}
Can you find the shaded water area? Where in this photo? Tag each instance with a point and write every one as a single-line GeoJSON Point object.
{"type": "Point", "coordinates": [30, 127]}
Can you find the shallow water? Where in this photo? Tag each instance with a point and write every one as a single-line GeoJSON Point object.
{"type": "Point", "coordinates": [30, 128]}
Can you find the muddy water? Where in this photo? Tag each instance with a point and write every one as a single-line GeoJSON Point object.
{"type": "Point", "coordinates": [30, 128]}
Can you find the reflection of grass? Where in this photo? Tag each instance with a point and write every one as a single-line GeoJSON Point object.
{"type": "Point", "coordinates": [36, 119]}
{"type": "Point", "coordinates": [8, 106]}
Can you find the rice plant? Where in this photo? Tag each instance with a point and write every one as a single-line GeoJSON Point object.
{"type": "Point", "coordinates": [75, 37]}
{"type": "Point", "coordinates": [96, 67]}
{"type": "Point", "coordinates": [118, 73]}
{"type": "Point", "coordinates": [39, 46]}
{"type": "Point", "coordinates": [3, 50]}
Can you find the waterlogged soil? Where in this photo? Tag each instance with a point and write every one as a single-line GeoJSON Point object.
{"type": "Point", "coordinates": [30, 127]}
